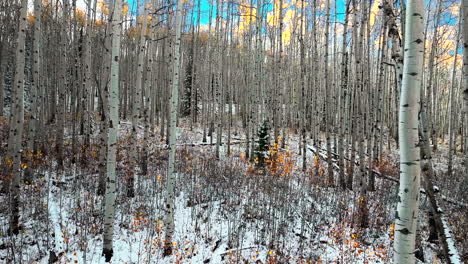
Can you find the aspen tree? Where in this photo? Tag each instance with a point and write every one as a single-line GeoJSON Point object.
{"type": "Point", "coordinates": [174, 107]}
{"type": "Point", "coordinates": [361, 112]}
{"type": "Point", "coordinates": [136, 104]}
{"type": "Point", "coordinates": [465, 73]}
{"type": "Point", "coordinates": [62, 86]}
{"type": "Point", "coordinates": [408, 194]}
{"type": "Point", "coordinates": [343, 97]}
{"type": "Point", "coordinates": [87, 60]}
{"type": "Point", "coordinates": [113, 127]}
{"type": "Point", "coordinates": [278, 112]}
{"type": "Point", "coordinates": [17, 120]}
{"type": "Point", "coordinates": [451, 110]}
{"type": "Point", "coordinates": [303, 89]}
{"type": "Point", "coordinates": [431, 84]}
{"type": "Point", "coordinates": [328, 119]}
{"type": "Point", "coordinates": [2, 70]}
{"type": "Point", "coordinates": [35, 89]}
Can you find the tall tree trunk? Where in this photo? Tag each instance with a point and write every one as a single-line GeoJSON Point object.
{"type": "Point", "coordinates": [342, 98]}
{"type": "Point", "coordinates": [31, 147]}
{"type": "Point", "coordinates": [2, 74]}
{"type": "Point", "coordinates": [113, 117]}
{"type": "Point", "coordinates": [136, 106]}
{"type": "Point", "coordinates": [62, 87]}
{"type": "Point", "coordinates": [408, 194]}
{"type": "Point", "coordinates": [431, 84]}
{"type": "Point", "coordinates": [465, 73]}
{"type": "Point", "coordinates": [328, 116]}
{"type": "Point", "coordinates": [13, 157]}
{"type": "Point", "coordinates": [174, 107]}
{"type": "Point", "coordinates": [451, 113]}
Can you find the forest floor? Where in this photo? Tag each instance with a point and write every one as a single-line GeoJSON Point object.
{"type": "Point", "coordinates": [227, 211]}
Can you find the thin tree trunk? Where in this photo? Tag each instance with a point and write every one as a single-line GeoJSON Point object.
{"type": "Point", "coordinates": [174, 106]}
{"type": "Point", "coordinates": [34, 90]}
{"type": "Point", "coordinates": [451, 114]}
{"type": "Point", "coordinates": [465, 73]}
{"type": "Point", "coordinates": [113, 127]}
{"type": "Point", "coordinates": [408, 194]}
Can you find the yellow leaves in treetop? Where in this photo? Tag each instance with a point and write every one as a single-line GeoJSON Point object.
{"type": "Point", "coordinates": [103, 6]}
{"type": "Point", "coordinates": [148, 19]}
{"type": "Point", "coordinates": [446, 42]}
{"type": "Point", "coordinates": [289, 17]}
{"type": "Point", "coordinates": [125, 9]}
{"type": "Point", "coordinates": [80, 16]}
{"type": "Point", "coordinates": [374, 12]}
{"type": "Point", "coordinates": [248, 14]}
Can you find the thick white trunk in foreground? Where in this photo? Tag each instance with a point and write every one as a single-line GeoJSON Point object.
{"type": "Point", "coordinates": [17, 120]}
{"type": "Point", "coordinates": [408, 194]}
{"type": "Point", "coordinates": [174, 108]}
{"type": "Point", "coordinates": [109, 208]}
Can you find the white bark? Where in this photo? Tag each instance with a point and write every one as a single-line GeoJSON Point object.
{"type": "Point", "coordinates": [408, 194]}
{"type": "Point", "coordinates": [136, 107]}
{"type": "Point", "coordinates": [174, 106]}
{"type": "Point", "coordinates": [17, 120]}
{"type": "Point", "coordinates": [36, 69]}
{"type": "Point", "coordinates": [109, 208]}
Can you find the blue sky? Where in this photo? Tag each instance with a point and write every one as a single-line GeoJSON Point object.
{"type": "Point", "coordinates": [205, 8]}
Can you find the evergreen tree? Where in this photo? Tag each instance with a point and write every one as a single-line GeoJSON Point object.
{"type": "Point", "coordinates": [187, 95]}
{"type": "Point", "coordinates": [262, 144]}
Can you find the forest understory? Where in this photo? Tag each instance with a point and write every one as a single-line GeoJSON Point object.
{"type": "Point", "coordinates": [227, 211]}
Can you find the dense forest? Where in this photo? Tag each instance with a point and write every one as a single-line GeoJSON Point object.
{"type": "Point", "coordinates": [233, 131]}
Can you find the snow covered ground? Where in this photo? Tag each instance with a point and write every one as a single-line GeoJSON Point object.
{"type": "Point", "coordinates": [225, 213]}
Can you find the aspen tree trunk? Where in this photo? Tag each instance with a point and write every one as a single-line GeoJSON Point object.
{"type": "Point", "coordinates": [431, 84]}
{"type": "Point", "coordinates": [2, 76]}
{"type": "Point", "coordinates": [217, 76]}
{"type": "Point", "coordinates": [113, 117]}
{"type": "Point", "coordinates": [103, 105]}
{"type": "Point", "coordinates": [328, 119]}
{"type": "Point", "coordinates": [62, 87]}
{"type": "Point", "coordinates": [362, 86]}
{"type": "Point", "coordinates": [149, 89]}
{"type": "Point", "coordinates": [393, 35]}
{"type": "Point", "coordinates": [87, 96]}
{"type": "Point", "coordinates": [408, 194]}
{"type": "Point", "coordinates": [303, 90]}
{"type": "Point", "coordinates": [278, 114]}
{"type": "Point", "coordinates": [342, 97]}
{"type": "Point", "coordinates": [374, 142]}
{"type": "Point", "coordinates": [465, 73]}
{"type": "Point", "coordinates": [451, 112]}
{"type": "Point", "coordinates": [174, 106]}
{"type": "Point", "coordinates": [194, 73]}
{"type": "Point", "coordinates": [34, 90]}
{"type": "Point", "coordinates": [136, 106]}
{"type": "Point", "coordinates": [17, 120]}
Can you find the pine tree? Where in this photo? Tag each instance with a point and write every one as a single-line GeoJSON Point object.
{"type": "Point", "coordinates": [186, 105]}
{"type": "Point", "coordinates": [262, 144]}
